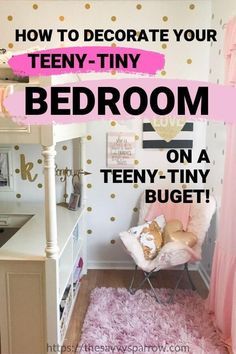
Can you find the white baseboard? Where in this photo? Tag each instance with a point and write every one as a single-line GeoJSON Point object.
{"type": "Point", "coordinates": [110, 265]}
{"type": "Point", "coordinates": [128, 265]}
{"type": "Point", "coordinates": [205, 277]}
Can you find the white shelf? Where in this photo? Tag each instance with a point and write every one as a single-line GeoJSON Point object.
{"type": "Point", "coordinates": [28, 243]}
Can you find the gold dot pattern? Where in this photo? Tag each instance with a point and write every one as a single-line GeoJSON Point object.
{"type": "Point", "coordinates": [184, 186]}
{"type": "Point", "coordinates": [89, 209]}
{"type": "Point", "coordinates": [113, 72]}
{"type": "Point", "coordinates": [113, 242]}
{"type": "Point", "coordinates": [135, 210]}
{"type": "Point", "coordinates": [40, 185]}
{"type": "Point", "coordinates": [138, 9]}
{"type": "Point", "coordinates": [16, 147]}
{"type": "Point", "coordinates": [64, 147]}
{"type": "Point", "coordinates": [112, 218]}
{"type": "Point", "coordinates": [135, 185]}
{"type": "Point", "coordinates": [189, 61]}
{"type": "Point", "coordinates": [160, 173]}
{"type": "Point", "coordinates": [163, 73]}
{"type": "Point", "coordinates": [113, 123]}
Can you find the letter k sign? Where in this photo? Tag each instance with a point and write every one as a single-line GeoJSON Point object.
{"type": "Point", "coordinates": [26, 169]}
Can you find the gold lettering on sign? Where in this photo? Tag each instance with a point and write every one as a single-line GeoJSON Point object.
{"type": "Point", "coordinates": [26, 168]}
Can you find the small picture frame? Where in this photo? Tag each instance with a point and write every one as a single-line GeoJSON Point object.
{"type": "Point", "coordinates": [74, 201]}
{"type": "Point", "coordinates": [6, 170]}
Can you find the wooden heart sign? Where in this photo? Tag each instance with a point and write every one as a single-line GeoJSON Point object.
{"type": "Point", "coordinates": [168, 128]}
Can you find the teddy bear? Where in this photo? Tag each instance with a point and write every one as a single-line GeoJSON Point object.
{"type": "Point", "coordinates": [151, 240]}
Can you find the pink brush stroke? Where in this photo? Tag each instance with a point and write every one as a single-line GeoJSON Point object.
{"type": "Point", "coordinates": [149, 62]}
{"type": "Point", "coordinates": [221, 102]}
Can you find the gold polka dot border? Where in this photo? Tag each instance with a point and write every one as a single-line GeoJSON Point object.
{"type": "Point", "coordinates": [164, 46]}
{"type": "Point", "coordinates": [16, 147]}
{"type": "Point", "coordinates": [61, 18]}
{"type": "Point", "coordinates": [135, 210]}
{"type": "Point", "coordinates": [18, 195]}
{"type": "Point", "coordinates": [189, 61]}
{"type": "Point", "coordinates": [89, 162]}
{"type": "Point", "coordinates": [163, 73]}
{"type": "Point", "coordinates": [113, 195]}
{"type": "Point", "coordinates": [113, 218]}
{"type": "Point", "coordinates": [64, 147]}
{"type": "Point", "coordinates": [138, 6]}
{"type": "Point", "coordinates": [165, 18]}
{"type": "Point", "coordinates": [89, 137]}
{"type": "Point", "coordinates": [113, 18]}
{"type": "Point", "coordinates": [89, 209]}
{"type": "Point", "coordinates": [39, 161]}
{"type": "Point", "coordinates": [10, 45]}
{"type": "Point", "coordinates": [35, 6]}
{"type": "Point", "coordinates": [113, 123]}
{"type": "Point", "coordinates": [136, 162]}
{"type": "Point", "coordinates": [89, 231]}
{"type": "Point", "coordinates": [9, 18]}
{"type": "Point", "coordinates": [87, 6]}
{"type": "Point", "coordinates": [136, 137]}
{"type": "Point", "coordinates": [135, 185]}
{"type": "Point", "coordinates": [17, 170]}
{"type": "Point", "coordinates": [40, 185]}
{"type": "Point", "coordinates": [184, 186]}
{"type": "Point", "coordinates": [113, 242]}
{"type": "Point", "coordinates": [89, 185]}
{"type": "Point", "coordinates": [192, 7]}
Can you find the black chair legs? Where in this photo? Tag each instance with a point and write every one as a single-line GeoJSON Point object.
{"type": "Point", "coordinates": [147, 276]}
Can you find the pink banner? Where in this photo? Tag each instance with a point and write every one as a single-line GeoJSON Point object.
{"type": "Point", "coordinates": [123, 99]}
{"type": "Point", "coordinates": [87, 59]}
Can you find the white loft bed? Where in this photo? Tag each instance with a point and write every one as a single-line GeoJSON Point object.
{"type": "Point", "coordinates": [38, 263]}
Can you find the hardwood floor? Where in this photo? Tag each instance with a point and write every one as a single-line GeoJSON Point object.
{"type": "Point", "coordinates": [119, 278]}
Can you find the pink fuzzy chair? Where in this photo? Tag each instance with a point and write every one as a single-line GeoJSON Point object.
{"type": "Point", "coordinates": [172, 253]}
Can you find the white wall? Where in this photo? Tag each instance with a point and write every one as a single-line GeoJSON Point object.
{"type": "Point", "coordinates": [26, 190]}
{"type": "Point", "coordinates": [216, 132]}
{"type": "Point", "coordinates": [103, 246]}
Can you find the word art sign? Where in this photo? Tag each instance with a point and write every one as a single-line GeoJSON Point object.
{"type": "Point", "coordinates": [120, 149]}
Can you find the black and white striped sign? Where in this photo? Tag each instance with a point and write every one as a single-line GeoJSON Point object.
{"type": "Point", "coordinates": [152, 140]}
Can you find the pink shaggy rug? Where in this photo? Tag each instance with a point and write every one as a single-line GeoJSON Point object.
{"type": "Point", "coordinates": [117, 322]}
